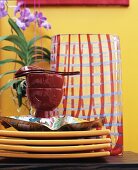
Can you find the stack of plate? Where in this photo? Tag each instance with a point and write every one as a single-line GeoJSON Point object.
{"type": "Point", "coordinates": [69, 144]}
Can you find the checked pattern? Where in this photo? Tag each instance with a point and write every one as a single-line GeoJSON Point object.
{"type": "Point", "coordinates": [96, 92]}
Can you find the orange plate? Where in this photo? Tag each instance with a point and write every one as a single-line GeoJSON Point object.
{"type": "Point", "coordinates": [21, 141]}
{"type": "Point", "coordinates": [54, 149]}
{"type": "Point", "coordinates": [57, 134]}
{"type": "Point", "coordinates": [52, 156]}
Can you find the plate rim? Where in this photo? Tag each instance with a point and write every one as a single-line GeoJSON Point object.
{"type": "Point", "coordinates": [14, 141]}
{"type": "Point", "coordinates": [54, 149]}
{"type": "Point", "coordinates": [53, 156]}
{"type": "Point", "coordinates": [39, 134]}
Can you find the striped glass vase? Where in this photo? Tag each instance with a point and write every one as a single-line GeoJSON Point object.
{"type": "Point", "coordinates": [96, 92]}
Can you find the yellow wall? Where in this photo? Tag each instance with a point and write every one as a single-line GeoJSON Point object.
{"type": "Point", "coordinates": [114, 20]}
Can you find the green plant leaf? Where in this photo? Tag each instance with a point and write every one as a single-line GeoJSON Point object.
{"type": "Point", "coordinates": [40, 53]}
{"type": "Point", "coordinates": [8, 72]}
{"type": "Point", "coordinates": [9, 84]}
{"type": "Point", "coordinates": [39, 58]}
{"type": "Point", "coordinates": [32, 41]}
{"type": "Point", "coordinates": [19, 95]}
{"type": "Point", "coordinates": [16, 28]}
{"type": "Point", "coordinates": [22, 44]}
{"type": "Point", "coordinates": [3, 38]}
{"type": "Point", "coordinates": [33, 50]}
{"type": "Point", "coordinates": [16, 50]}
{"type": "Point", "coordinates": [43, 57]}
{"type": "Point", "coordinates": [11, 60]}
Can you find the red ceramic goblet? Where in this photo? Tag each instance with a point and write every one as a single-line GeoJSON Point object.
{"type": "Point", "coordinates": [44, 88]}
{"type": "Point", "coordinates": [44, 91]}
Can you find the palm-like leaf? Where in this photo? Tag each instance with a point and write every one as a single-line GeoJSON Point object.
{"type": "Point", "coordinates": [33, 50]}
{"type": "Point", "coordinates": [22, 44]}
{"type": "Point", "coordinates": [28, 54]}
{"type": "Point", "coordinates": [39, 58]}
{"type": "Point", "coordinates": [32, 41]}
{"type": "Point", "coordinates": [19, 94]}
{"type": "Point", "coordinates": [16, 28]}
{"type": "Point", "coordinates": [21, 54]}
{"type": "Point", "coordinates": [6, 73]}
{"type": "Point", "coordinates": [9, 84]}
{"type": "Point", "coordinates": [2, 62]}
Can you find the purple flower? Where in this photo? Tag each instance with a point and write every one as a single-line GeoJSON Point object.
{"type": "Point", "coordinates": [18, 7]}
{"type": "Point", "coordinates": [25, 18]}
{"type": "Point", "coordinates": [46, 25]}
{"type": "Point", "coordinates": [41, 20]}
{"type": "Point", "coordinates": [20, 24]}
{"type": "Point", "coordinates": [3, 12]}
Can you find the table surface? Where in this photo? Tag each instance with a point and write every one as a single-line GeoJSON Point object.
{"type": "Point", "coordinates": [129, 161]}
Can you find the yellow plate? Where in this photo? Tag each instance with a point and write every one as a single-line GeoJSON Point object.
{"type": "Point", "coordinates": [26, 134]}
{"type": "Point", "coordinates": [54, 149]}
{"type": "Point", "coordinates": [14, 141]}
{"type": "Point", "coordinates": [52, 156]}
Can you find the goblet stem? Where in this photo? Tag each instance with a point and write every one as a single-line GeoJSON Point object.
{"type": "Point", "coordinates": [44, 114]}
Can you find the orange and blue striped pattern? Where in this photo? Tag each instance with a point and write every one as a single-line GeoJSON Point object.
{"type": "Point", "coordinates": [96, 92]}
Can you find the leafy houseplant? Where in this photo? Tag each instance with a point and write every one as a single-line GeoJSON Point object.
{"type": "Point", "coordinates": [28, 53]}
